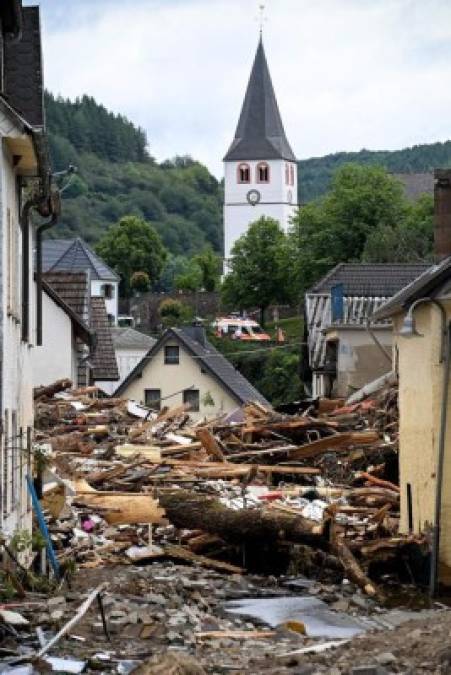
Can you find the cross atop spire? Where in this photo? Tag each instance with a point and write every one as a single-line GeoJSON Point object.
{"type": "Point", "coordinates": [262, 18]}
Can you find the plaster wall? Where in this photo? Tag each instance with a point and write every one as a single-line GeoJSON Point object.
{"type": "Point", "coordinates": [420, 396]}
{"type": "Point", "coordinates": [359, 360]}
{"type": "Point", "coordinates": [15, 358]}
{"type": "Point", "coordinates": [56, 359]}
{"type": "Point", "coordinates": [126, 359]}
{"type": "Point", "coordinates": [279, 200]}
{"type": "Point", "coordinates": [110, 303]}
{"type": "Point", "coordinates": [175, 378]}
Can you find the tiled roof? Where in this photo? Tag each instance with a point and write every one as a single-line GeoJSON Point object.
{"type": "Point", "coordinates": [210, 359]}
{"type": "Point", "coordinates": [81, 330]}
{"type": "Point", "coordinates": [416, 184]}
{"type": "Point", "coordinates": [129, 338]}
{"type": "Point", "coordinates": [74, 290]}
{"type": "Point", "coordinates": [260, 133]}
{"type": "Point", "coordinates": [23, 70]}
{"type": "Point", "coordinates": [74, 255]}
{"type": "Point", "coordinates": [429, 284]}
{"type": "Point", "coordinates": [370, 280]}
{"type": "Point", "coordinates": [104, 365]}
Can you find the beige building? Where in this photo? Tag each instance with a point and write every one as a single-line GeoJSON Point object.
{"type": "Point", "coordinates": [183, 367]}
{"type": "Point", "coordinates": [345, 350]}
{"type": "Point", "coordinates": [421, 315]}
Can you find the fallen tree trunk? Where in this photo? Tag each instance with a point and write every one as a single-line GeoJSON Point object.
{"type": "Point", "coordinates": [52, 389]}
{"type": "Point", "coordinates": [352, 568]}
{"type": "Point", "coordinates": [189, 510]}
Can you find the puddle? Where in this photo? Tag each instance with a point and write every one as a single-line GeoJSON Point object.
{"type": "Point", "coordinates": [318, 619]}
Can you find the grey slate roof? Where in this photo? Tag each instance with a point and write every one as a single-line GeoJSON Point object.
{"type": "Point", "coordinates": [416, 184]}
{"type": "Point", "coordinates": [260, 133]}
{"type": "Point", "coordinates": [209, 359]}
{"type": "Point", "coordinates": [370, 280]}
{"type": "Point", "coordinates": [104, 364]}
{"type": "Point", "coordinates": [129, 338]}
{"type": "Point", "coordinates": [23, 70]}
{"type": "Point", "coordinates": [74, 290]}
{"type": "Point", "coordinates": [74, 255]}
{"type": "Point", "coordinates": [428, 284]}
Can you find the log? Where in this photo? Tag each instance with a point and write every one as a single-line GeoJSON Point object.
{"type": "Point", "coordinates": [193, 511]}
{"type": "Point", "coordinates": [119, 508]}
{"type": "Point", "coordinates": [182, 553]}
{"type": "Point", "coordinates": [52, 389]}
{"type": "Point", "coordinates": [352, 568]}
{"type": "Point", "coordinates": [210, 444]}
{"type": "Point", "coordinates": [335, 443]}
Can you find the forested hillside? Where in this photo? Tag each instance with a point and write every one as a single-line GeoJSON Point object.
{"type": "Point", "coordinates": [117, 176]}
{"type": "Point", "coordinates": [315, 173]}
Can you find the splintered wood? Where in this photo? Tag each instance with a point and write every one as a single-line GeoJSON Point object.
{"type": "Point", "coordinates": [325, 478]}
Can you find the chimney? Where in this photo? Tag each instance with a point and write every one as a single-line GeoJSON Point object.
{"type": "Point", "coordinates": [196, 332]}
{"type": "Point", "coordinates": [442, 214]}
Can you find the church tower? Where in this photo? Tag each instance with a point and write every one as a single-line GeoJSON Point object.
{"type": "Point", "coordinates": [260, 166]}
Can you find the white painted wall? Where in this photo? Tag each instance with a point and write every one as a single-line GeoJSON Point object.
{"type": "Point", "coordinates": [112, 306]}
{"type": "Point", "coordinates": [174, 378]}
{"type": "Point", "coordinates": [15, 356]}
{"type": "Point", "coordinates": [126, 359]}
{"type": "Point", "coordinates": [57, 358]}
{"type": "Point", "coordinates": [279, 200]}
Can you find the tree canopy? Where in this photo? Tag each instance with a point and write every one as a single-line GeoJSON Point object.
{"type": "Point", "coordinates": [259, 274]}
{"type": "Point", "coordinates": [132, 245]}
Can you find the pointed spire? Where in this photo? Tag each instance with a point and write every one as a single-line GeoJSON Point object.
{"type": "Point", "coordinates": [260, 133]}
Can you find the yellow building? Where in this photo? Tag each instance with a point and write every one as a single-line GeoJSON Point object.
{"type": "Point", "coordinates": [421, 314]}
{"type": "Point", "coordinates": [183, 367]}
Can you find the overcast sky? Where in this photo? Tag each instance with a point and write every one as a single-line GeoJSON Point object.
{"type": "Point", "coordinates": [348, 73]}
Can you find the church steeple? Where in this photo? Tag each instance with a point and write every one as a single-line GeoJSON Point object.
{"type": "Point", "coordinates": [260, 133]}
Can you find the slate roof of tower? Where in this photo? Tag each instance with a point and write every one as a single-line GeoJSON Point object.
{"type": "Point", "coordinates": [208, 358]}
{"type": "Point", "coordinates": [74, 255]}
{"type": "Point", "coordinates": [371, 280]}
{"type": "Point", "coordinates": [74, 290]}
{"type": "Point", "coordinates": [260, 133]}
{"type": "Point", "coordinates": [129, 338]}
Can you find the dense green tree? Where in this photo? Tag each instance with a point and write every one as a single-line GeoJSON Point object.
{"type": "Point", "coordinates": [174, 312]}
{"type": "Point", "coordinates": [190, 279]}
{"type": "Point", "coordinates": [335, 229]}
{"type": "Point", "coordinates": [210, 266]}
{"type": "Point", "coordinates": [259, 274]}
{"type": "Point", "coordinates": [133, 245]}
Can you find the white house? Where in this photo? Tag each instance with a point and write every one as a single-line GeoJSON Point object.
{"type": "Point", "coordinates": [74, 255]}
{"type": "Point", "coordinates": [261, 175]}
{"type": "Point", "coordinates": [183, 367]}
{"type": "Point", "coordinates": [62, 332]}
{"type": "Point", "coordinates": [130, 347]}
{"type": "Point", "coordinates": [23, 156]}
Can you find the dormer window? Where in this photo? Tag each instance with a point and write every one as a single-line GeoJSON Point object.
{"type": "Point", "coordinates": [263, 172]}
{"type": "Point", "coordinates": [244, 173]}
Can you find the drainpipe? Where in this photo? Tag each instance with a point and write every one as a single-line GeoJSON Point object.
{"type": "Point", "coordinates": [440, 466]}
{"type": "Point", "coordinates": [25, 227]}
{"type": "Point", "coordinates": [39, 232]}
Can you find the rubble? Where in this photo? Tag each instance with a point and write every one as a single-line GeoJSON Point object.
{"type": "Point", "coordinates": [122, 485]}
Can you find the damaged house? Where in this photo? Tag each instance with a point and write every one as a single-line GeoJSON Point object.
{"type": "Point", "coordinates": [345, 349]}
{"type": "Point", "coordinates": [421, 316]}
{"type": "Point", "coordinates": [24, 190]}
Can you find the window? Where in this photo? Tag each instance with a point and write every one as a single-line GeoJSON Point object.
{"type": "Point", "coordinates": [171, 355]}
{"type": "Point", "coordinates": [191, 397]}
{"type": "Point", "coordinates": [287, 173]}
{"type": "Point", "coordinates": [152, 398]}
{"type": "Point", "coordinates": [292, 174]}
{"type": "Point", "coordinates": [262, 172]}
{"type": "Point", "coordinates": [244, 173]}
{"type": "Point", "coordinates": [107, 291]}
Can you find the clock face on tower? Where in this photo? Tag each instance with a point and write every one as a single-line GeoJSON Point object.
{"type": "Point", "coordinates": [253, 197]}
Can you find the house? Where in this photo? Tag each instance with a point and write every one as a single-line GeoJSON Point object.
{"type": "Point", "coordinates": [421, 316]}
{"type": "Point", "coordinates": [96, 360]}
{"type": "Point", "coordinates": [130, 347]}
{"type": "Point", "coordinates": [183, 367]}
{"type": "Point", "coordinates": [344, 352]}
{"type": "Point", "coordinates": [63, 333]}
{"type": "Point", "coordinates": [24, 190]}
{"type": "Point", "coordinates": [74, 255]}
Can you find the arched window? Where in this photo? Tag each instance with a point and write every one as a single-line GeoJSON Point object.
{"type": "Point", "coordinates": [292, 174]}
{"type": "Point", "coordinates": [287, 173]}
{"type": "Point", "coordinates": [244, 173]}
{"type": "Point", "coordinates": [262, 172]}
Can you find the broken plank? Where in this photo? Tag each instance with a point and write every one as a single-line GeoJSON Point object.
{"type": "Point", "coordinates": [182, 553]}
{"type": "Point", "coordinates": [210, 444]}
{"type": "Point", "coordinates": [335, 443]}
